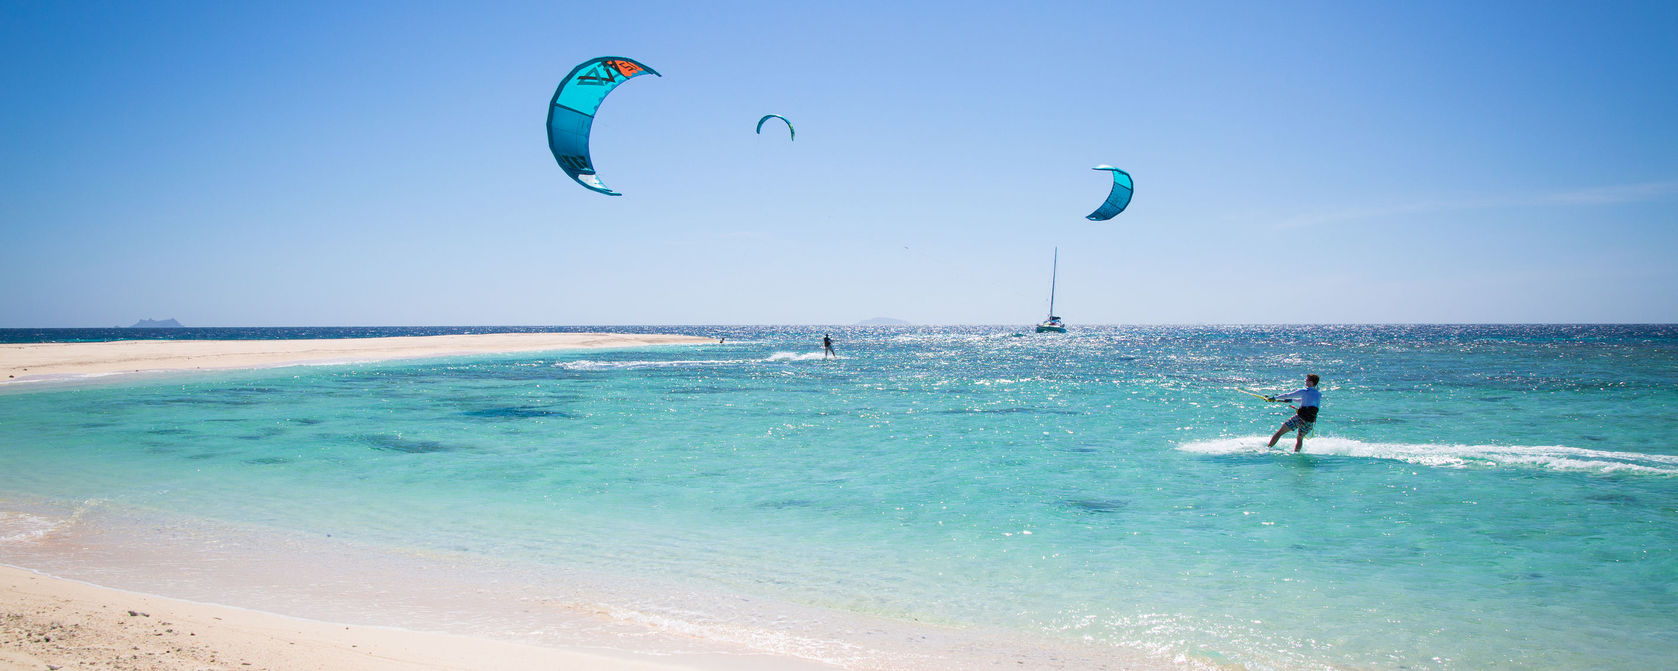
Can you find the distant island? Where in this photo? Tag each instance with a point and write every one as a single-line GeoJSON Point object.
{"type": "Point", "coordinates": [882, 321]}
{"type": "Point", "coordinates": [157, 324]}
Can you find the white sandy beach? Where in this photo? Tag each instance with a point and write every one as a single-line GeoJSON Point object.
{"type": "Point", "coordinates": [37, 361]}
{"type": "Point", "coordinates": [50, 623]}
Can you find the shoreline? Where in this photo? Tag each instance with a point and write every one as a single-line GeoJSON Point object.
{"type": "Point", "coordinates": [237, 594]}
{"type": "Point", "coordinates": [40, 362]}
{"type": "Point", "coordinates": [52, 622]}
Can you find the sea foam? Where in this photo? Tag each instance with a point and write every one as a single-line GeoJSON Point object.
{"type": "Point", "coordinates": [23, 527]}
{"type": "Point", "coordinates": [588, 364]}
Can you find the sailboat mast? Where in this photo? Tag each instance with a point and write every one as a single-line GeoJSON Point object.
{"type": "Point", "coordinates": [1053, 273]}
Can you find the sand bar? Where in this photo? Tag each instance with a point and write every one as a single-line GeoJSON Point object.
{"type": "Point", "coordinates": [34, 361]}
{"type": "Point", "coordinates": [50, 623]}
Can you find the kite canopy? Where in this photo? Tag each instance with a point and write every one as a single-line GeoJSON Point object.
{"type": "Point", "coordinates": [791, 134]}
{"type": "Point", "coordinates": [571, 113]}
{"type": "Point", "coordinates": [1117, 199]}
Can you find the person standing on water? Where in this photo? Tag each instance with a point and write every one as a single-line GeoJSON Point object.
{"type": "Point", "coordinates": [827, 347]}
{"type": "Point", "coordinates": [1305, 417]}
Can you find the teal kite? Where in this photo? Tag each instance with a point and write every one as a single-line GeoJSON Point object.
{"type": "Point", "coordinates": [1117, 199]}
{"type": "Point", "coordinates": [571, 113]}
{"type": "Point", "coordinates": [791, 134]}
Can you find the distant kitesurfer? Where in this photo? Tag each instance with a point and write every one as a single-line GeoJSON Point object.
{"type": "Point", "coordinates": [1305, 417]}
{"type": "Point", "coordinates": [827, 347]}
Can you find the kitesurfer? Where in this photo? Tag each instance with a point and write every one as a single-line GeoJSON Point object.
{"type": "Point", "coordinates": [827, 347]}
{"type": "Point", "coordinates": [1305, 417]}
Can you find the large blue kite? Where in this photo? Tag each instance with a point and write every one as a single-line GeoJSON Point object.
{"type": "Point", "coordinates": [571, 113]}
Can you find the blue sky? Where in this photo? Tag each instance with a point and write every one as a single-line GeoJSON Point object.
{"type": "Point", "coordinates": [385, 163]}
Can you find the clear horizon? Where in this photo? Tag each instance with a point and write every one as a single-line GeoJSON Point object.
{"type": "Point", "coordinates": [1295, 163]}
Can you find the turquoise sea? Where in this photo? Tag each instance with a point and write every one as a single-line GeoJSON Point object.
{"type": "Point", "coordinates": [1475, 497]}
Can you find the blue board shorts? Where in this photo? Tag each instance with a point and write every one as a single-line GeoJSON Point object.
{"type": "Point", "coordinates": [1299, 423]}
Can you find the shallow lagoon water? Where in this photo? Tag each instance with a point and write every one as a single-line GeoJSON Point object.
{"type": "Point", "coordinates": [1476, 497]}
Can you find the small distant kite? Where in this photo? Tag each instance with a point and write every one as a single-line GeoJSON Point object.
{"type": "Point", "coordinates": [791, 134]}
{"type": "Point", "coordinates": [1117, 199]}
{"type": "Point", "coordinates": [571, 113]}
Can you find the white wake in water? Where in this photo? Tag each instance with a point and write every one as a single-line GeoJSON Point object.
{"type": "Point", "coordinates": [777, 357]}
{"type": "Point", "coordinates": [795, 356]}
{"type": "Point", "coordinates": [1549, 457]}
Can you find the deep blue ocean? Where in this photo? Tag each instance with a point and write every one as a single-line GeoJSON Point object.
{"type": "Point", "coordinates": [1474, 497]}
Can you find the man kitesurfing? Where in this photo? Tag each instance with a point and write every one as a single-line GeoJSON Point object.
{"type": "Point", "coordinates": [1305, 416]}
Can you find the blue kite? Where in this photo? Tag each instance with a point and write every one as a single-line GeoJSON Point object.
{"type": "Point", "coordinates": [791, 134]}
{"type": "Point", "coordinates": [571, 113]}
{"type": "Point", "coordinates": [1117, 199]}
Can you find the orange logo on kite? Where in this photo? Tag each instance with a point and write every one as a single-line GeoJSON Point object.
{"type": "Point", "coordinates": [625, 68]}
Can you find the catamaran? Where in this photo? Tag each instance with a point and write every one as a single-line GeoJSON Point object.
{"type": "Point", "coordinates": [1053, 323]}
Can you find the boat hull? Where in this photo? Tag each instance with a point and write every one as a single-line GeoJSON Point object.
{"type": "Point", "coordinates": [1050, 328]}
